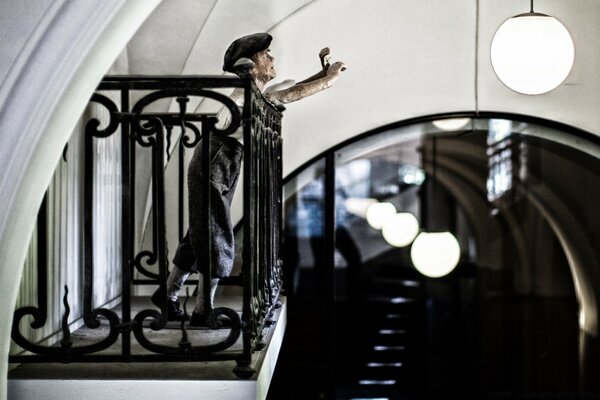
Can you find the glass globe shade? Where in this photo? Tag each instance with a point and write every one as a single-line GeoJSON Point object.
{"type": "Point", "coordinates": [435, 254]}
{"type": "Point", "coordinates": [532, 53]}
{"type": "Point", "coordinates": [358, 206]}
{"type": "Point", "coordinates": [400, 229]}
{"type": "Point", "coordinates": [378, 213]}
{"type": "Point", "coordinates": [451, 124]}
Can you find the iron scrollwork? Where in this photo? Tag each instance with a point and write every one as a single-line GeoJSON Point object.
{"type": "Point", "coordinates": [151, 134]}
{"type": "Point", "coordinates": [67, 351]}
{"type": "Point", "coordinates": [261, 269]}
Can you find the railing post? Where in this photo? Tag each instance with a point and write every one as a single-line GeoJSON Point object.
{"type": "Point", "coordinates": [158, 192]}
{"type": "Point", "coordinates": [206, 251]}
{"type": "Point", "coordinates": [88, 223]}
{"type": "Point", "coordinates": [243, 368]}
{"type": "Point", "coordinates": [329, 253]}
{"type": "Point", "coordinates": [126, 224]}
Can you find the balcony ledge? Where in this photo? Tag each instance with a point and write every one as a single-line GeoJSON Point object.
{"type": "Point", "coordinates": [182, 380]}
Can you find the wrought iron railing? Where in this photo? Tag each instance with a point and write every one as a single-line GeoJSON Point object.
{"type": "Point", "coordinates": [260, 274]}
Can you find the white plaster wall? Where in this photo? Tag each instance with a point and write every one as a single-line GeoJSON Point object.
{"type": "Point", "coordinates": [405, 58]}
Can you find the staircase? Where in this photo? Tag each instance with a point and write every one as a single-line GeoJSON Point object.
{"type": "Point", "coordinates": [379, 340]}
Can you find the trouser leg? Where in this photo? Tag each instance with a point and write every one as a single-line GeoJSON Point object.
{"type": "Point", "coordinates": [200, 301]}
{"type": "Point", "coordinates": [225, 167]}
{"type": "Point", "coordinates": [183, 266]}
{"type": "Point", "coordinates": [175, 282]}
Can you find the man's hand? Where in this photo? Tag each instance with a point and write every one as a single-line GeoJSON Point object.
{"type": "Point", "coordinates": [336, 68]}
{"type": "Point", "coordinates": [320, 81]}
{"type": "Point", "coordinates": [324, 57]}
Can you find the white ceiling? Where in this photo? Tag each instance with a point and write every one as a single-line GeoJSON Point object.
{"type": "Point", "coordinates": [405, 58]}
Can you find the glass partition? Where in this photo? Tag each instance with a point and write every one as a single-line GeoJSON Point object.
{"type": "Point", "coordinates": [504, 298]}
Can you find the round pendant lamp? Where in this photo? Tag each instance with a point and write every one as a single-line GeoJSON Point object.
{"type": "Point", "coordinates": [359, 206]}
{"type": "Point", "coordinates": [435, 254]}
{"type": "Point", "coordinates": [378, 213]}
{"type": "Point", "coordinates": [400, 229]}
{"type": "Point", "coordinates": [532, 53]}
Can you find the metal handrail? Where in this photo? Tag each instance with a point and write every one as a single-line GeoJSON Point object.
{"type": "Point", "coordinates": [261, 268]}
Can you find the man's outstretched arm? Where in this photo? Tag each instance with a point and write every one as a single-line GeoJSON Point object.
{"type": "Point", "coordinates": [310, 86]}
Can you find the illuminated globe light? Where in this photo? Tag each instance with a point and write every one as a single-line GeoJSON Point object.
{"type": "Point", "coordinates": [435, 254]}
{"type": "Point", "coordinates": [451, 124]}
{"type": "Point", "coordinates": [400, 229]}
{"type": "Point", "coordinates": [532, 53]}
{"type": "Point", "coordinates": [378, 213]}
{"type": "Point", "coordinates": [358, 205]}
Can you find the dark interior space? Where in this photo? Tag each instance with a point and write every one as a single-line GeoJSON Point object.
{"type": "Point", "coordinates": [503, 323]}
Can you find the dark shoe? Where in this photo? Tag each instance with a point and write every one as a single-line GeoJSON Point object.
{"type": "Point", "coordinates": [174, 311]}
{"type": "Point", "coordinates": [201, 320]}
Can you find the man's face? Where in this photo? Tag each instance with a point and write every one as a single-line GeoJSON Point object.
{"type": "Point", "coordinates": [264, 66]}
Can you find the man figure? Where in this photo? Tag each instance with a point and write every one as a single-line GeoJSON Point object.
{"type": "Point", "coordinates": [226, 156]}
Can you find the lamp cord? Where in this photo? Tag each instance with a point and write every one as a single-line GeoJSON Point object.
{"type": "Point", "coordinates": [531, 7]}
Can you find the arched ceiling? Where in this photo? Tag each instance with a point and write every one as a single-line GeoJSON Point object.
{"type": "Point", "coordinates": [405, 58]}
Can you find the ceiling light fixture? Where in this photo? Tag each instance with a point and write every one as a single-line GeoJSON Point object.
{"type": "Point", "coordinates": [400, 229]}
{"type": "Point", "coordinates": [435, 252]}
{"type": "Point", "coordinates": [358, 205]}
{"type": "Point", "coordinates": [379, 213]}
{"type": "Point", "coordinates": [451, 124]}
{"type": "Point", "coordinates": [532, 53]}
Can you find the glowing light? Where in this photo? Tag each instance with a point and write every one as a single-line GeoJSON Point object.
{"type": "Point", "coordinates": [451, 124]}
{"type": "Point", "coordinates": [380, 364]}
{"type": "Point", "coordinates": [358, 206]}
{"type": "Point", "coordinates": [532, 53]}
{"type": "Point", "coordinates": [435, 254]}
{"type": "Point", "coordinates": [388, 348]}
{"type": "Point", "coordinates": [391, 331]}
{"type": "Point", "coordinates": [370, 398]}
{"type": "Point", "coordinates": [375, 382]}
{"type": "Point", "coordinates": [581, 319]}
{"type": "Point", "coordinates": [410, 283]}
{"type": "Point", "coordinates": [379, 213]}
{"type": "Point", "coordinates": [411, 175]}
{"type": "Point", "coordinates": [400, 229]}
{"type": "Point", "coordinates": [400, 300]}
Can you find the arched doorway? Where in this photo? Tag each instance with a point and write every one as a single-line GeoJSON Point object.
{"type": "Point", "coordinates": [517, 194]}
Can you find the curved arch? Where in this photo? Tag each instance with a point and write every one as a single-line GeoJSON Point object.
{"type": "Point", "coordinates": [575, 132]}
{"type": "Point", "coordinates": [49, 89]}
{"type": "Point", "coordinates": [582, 259]}
{"type": "Point", "coordinates": [578, 249]}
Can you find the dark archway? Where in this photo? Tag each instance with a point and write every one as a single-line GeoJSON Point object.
{"type": "Point", "coordinates": [529, 240]}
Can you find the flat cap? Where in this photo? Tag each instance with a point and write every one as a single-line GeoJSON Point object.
{"type": "Point", "coordinates": [246, 46]}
